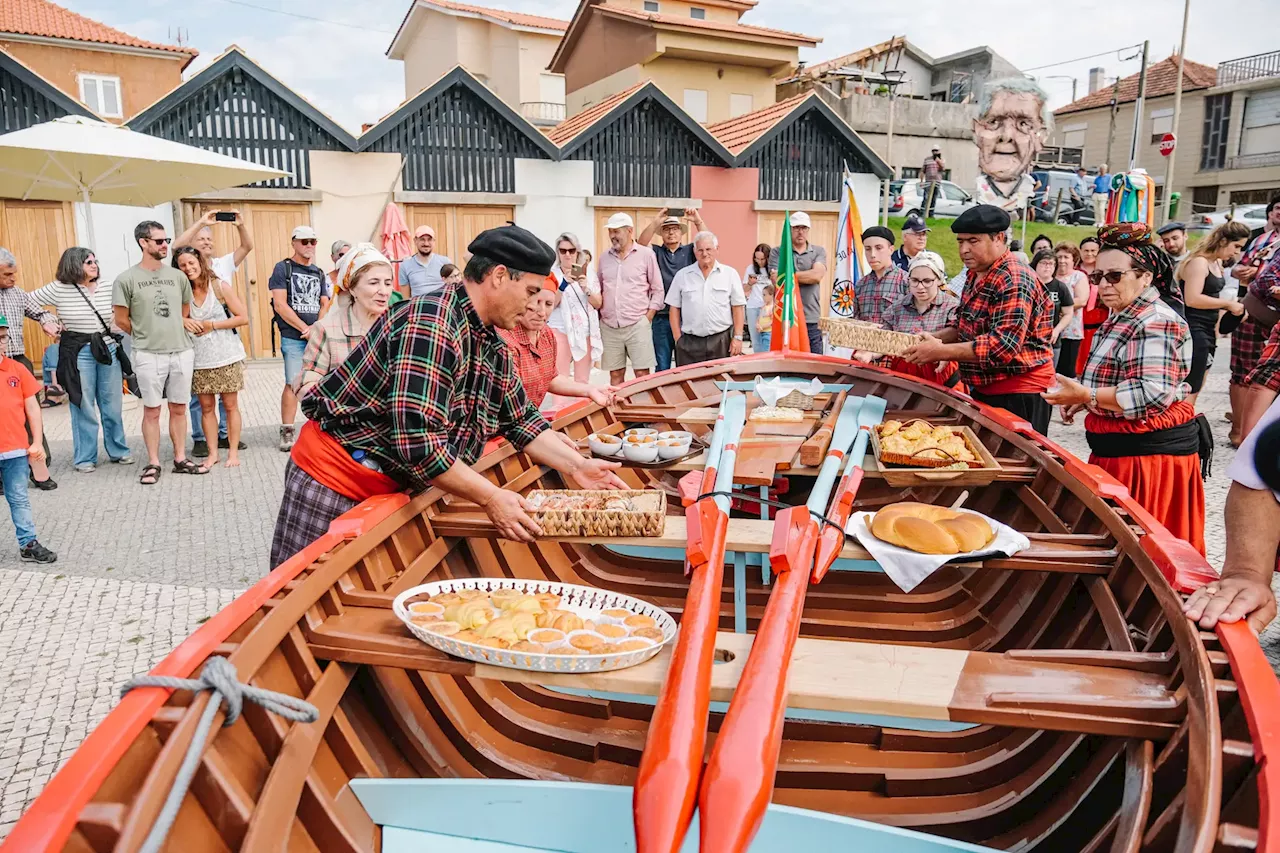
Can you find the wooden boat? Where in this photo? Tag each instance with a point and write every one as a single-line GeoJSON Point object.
{"type": "Point", "coordinates": [1056, 700]}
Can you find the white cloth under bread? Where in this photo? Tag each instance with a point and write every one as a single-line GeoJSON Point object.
{"type": "Point", "coordinates": [907, 568]}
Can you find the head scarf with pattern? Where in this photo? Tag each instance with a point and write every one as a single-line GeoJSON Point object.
{"type": "Point", "coordinates": [357, 258]}
{"type": "Point", "coordinates": [1135, 240]}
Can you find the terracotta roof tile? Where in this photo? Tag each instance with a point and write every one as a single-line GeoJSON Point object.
{"type": "Point", "coordinates": [738, 133]}
{"type": "Point", "coordinates": [716, 26]}
{"type": "Point", "coordinates": [820, 68]}
{"type": "Point", "coordinates": [1162, 79]}
{"type": "Point", "coordinates": [516, 18]}
{"type": "Point", "coordinates": [42, 18]}
{"type": "Point", "coordinates": [566, 130]}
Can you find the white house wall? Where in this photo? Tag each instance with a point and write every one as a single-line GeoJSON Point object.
{"type": "Point", "coordinates": [113, 226]}
{"type": "Point", "coordinates": [556, 197]}
{"type": "Point", "coordinates": [354, 191]}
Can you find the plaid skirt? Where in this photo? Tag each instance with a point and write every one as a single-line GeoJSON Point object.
{"type": "Point", "coordinates": [306, 510]}
{"type": "Point", "coordinates": [1267, 373]}
{"type": "Point", "coordinates": [1247, 342]}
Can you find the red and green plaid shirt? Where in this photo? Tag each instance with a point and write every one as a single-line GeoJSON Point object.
{"type": "Point", "coordinates": [873, 294]}
{"type": "Point", "coordinates": [427, 387]}
{"type": "Point", "coordinates": [940, 314]}
{"type": "Point", "coordinates": [1006, 314]}
{"type": "Point", "coordinates": [1144, 352]}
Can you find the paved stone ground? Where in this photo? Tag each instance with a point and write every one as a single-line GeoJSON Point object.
{"type": "Point", "coordinates": [130, 584]}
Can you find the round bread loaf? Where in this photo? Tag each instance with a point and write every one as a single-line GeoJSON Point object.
{"type": "Point", "coordinates": [930, 529]}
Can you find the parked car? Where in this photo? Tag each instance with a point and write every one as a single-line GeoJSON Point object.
{"type": "Point", "coordinates": [1044, 202]}
{"type": "Point", "coordinates": [1253, 215]}
{"type": "Point", "coordinates": [905, 196]}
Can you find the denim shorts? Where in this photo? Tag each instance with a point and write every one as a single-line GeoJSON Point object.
{"type": "Point", "coordinates": [291, 350]}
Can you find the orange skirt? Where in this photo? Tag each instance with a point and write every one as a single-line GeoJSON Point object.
{"type": "Point", "coordinates": [1168, 487]}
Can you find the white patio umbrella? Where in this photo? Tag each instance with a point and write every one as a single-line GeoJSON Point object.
{"type": "Point", "coordinates": [80, 159]}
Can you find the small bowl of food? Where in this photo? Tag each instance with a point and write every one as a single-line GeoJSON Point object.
{"type": "Point", "coordinates": [677, 434]}
{"type": "Point", "coordinates": [604, 445]}
{"type": "Point", "coordinates": [639, 439]}
{"type": "Point", "coordinates": [672, 448]}
{"type": "Point", "coordinates": [640, 431]}
{"type": "Point", "coordinates": [641, 451]}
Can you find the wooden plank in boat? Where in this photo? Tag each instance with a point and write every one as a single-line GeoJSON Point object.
{"type": "Point", "coordinates": [917, 682]}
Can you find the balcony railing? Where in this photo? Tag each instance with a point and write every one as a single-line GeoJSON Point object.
{"type": "Point", "coordinates": [1254, 67]}
{"type": "Point", "coordinates": [542, 112]}
{"type": "Point", "coordinates": [1254, 161]}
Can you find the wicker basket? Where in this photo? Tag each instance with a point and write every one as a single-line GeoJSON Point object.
{"type": "Point", "coordinates": [916, 460]}
{"type": "Point", "coordinates": [647, 520]}
{"type": "Point", "coordinates": [866, 337]}
{"type": "Point", "coordinates": [796, 400]}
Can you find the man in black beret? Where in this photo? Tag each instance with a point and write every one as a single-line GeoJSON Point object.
{"type": "Point", "coordinates": [883, 285]}
{"type": "Point", "coordinates": [1004, 325]}
{"type": "Point", "coordinates": [416, 401]}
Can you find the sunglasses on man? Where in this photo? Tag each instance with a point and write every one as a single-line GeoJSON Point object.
{"type": "Point", "coordinates": [308, 242]}
{"type": "Point", "coordinates": [160, 241]}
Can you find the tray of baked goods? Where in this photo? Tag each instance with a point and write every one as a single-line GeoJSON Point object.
{"type": "Point", "coordinates": [604, 512]}
{"type": "Point", "coordinates": [918, 452]}
{"type": "Point", "coordinates": [642, 447]}
{"type": "Point", "coordinates": [535, 625]}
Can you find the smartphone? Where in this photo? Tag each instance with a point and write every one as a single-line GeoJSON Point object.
{"type": "Point", "coordinates": [576, 271]}
{"type": "Point", "coordinates": [224, 216]}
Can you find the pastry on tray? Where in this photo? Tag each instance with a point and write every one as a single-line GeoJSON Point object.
{"type": "Point", "coordinates": [777, 414]}
{"type": "Point", "coordinates": [921, 442]}
{"type": "Point", "coordinates": [928, 529]}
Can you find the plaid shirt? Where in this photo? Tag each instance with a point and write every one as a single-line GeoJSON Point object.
{"type": "Point", "coordinates": [1006, 313]}
{"type": "Point", "coordinates": [902, 315]}
{"type": "Point", "coordinates": [1267, 278]}
{"type": "Point", "coordinates": [426, 388]}
{"type": "Point", "coordinates": [1258, 245]}
{"type": "Point", "coordinates": [1144, 352]}
{"type": "Point", "coordinates": [16, 303]}
{"type": "Point", "coordinates": [535, 363]}
{"type": "Point", "coordinates": [874, 294]}
{"type": "Point", "coordinates": [329, 343]}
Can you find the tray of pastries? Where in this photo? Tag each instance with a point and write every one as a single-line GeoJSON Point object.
{"type": "Point", "coordinates": [604, 512]}
{"type": "Point", "coordinates": [914, 452]}
{"type": "Point", "coordinates": [535, 625]}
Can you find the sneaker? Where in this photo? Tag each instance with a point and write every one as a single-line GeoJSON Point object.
{"type": "Point", "coordinates": [86, 468]}
{"type": "Point", "coordinates": [224, 443]}
{"type": "Point", "coordinates": [200, 449]}
{"type": "Point", "coordinates": [127, 459]}
{"type": "Point", "coordinates": [43, 485]}
{"type": "Point", "coordinates": [286, 438]}
{"type": "Point", "coordinates": [34, 552]}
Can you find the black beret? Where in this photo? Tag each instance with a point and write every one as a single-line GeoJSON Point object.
{"type": "Point", "coordinates": [514, 247]}
{"type": "Point", "coordinates": [879, 231]}
{"type": "Point", "coordinates": [982, 219]}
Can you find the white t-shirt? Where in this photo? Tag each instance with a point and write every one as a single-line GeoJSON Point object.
{"type": "Point", "coordinates": [1242, 469]}
{"type": "Point", "coordinates": [224, 267]}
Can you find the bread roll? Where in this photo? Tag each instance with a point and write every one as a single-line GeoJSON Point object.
{"type": "Point", "coordinates": [930, 529]}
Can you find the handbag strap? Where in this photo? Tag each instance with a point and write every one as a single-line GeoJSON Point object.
{"type": "Point", "coordinates": [105, 328]}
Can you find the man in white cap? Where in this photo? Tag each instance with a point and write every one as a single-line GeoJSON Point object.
{"type": "Point", "coordinates": [811, 266]}
{"type": "Point", "coordinates": [420, 273]}
{"type": "Point", "coordinates": [631, 284]}
{"type": "Point", "coordinates": [300, 294]}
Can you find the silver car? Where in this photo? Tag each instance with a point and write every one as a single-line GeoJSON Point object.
{"type": "Point", "coordinates": [1253, 215]}
{"type": "Point", "coordinates": [905, 195]}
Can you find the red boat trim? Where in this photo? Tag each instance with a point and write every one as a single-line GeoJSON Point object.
{"type": "Point", "coordinates": [1260, 695]}
{"type": "Point", "coordinates": [48, 823]}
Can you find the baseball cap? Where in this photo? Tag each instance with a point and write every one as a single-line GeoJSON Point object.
{"type": "Point", "coordinates": [303, 232]}
{"type": "Point", "coordinates": [1171, 226]}
{"type": "Point", "coordinates": [424, 230]}
{"type": "Point", "coordinates": [936, 148]}
{"type": "Point", "coordinates": [4, 322]}
{"type": "Point", "coordinates": [619, 220]}
{"type": "Point", "coordinates": [800, 218]}
{"type": "Point", "coordinates": [671, 220]}
{"type": "Point", "coordinates": [916, 224]}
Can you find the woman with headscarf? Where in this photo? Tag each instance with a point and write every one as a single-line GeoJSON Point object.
{"type": "Point", "coordinates": [362, 294]}
{"type": "Point", "coordinates": [1140, 426]}
{"type": "Point", "coordinates": [927, 307]}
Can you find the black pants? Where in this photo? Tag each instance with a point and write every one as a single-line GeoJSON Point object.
{"type": "Point", "coordinates": [1030, 407]}
{"type": "Point", "coordinates": [691, 349]}
{"type": "Point", "coordinates": [1067, 354]}
{"type": "Point", "coordinates": [929, 193]}
{"type": "Point", "coordinates": [26, 362]}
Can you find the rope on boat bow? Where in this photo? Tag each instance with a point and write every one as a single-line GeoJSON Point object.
{"type": "Point", "coordinates": [219, 676]}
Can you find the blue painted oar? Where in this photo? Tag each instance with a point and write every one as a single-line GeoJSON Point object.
{"type": "Point", "coordinates": [871, 414]}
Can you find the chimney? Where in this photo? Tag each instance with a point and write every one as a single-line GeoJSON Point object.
{"type": "Point", "coordinates": [1096, 80]}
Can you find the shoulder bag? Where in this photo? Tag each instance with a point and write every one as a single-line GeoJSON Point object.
{"type": "Point", "coordinates": [102, 352]}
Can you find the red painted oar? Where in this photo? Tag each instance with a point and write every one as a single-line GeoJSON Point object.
{"type": "Point", "coordinates": [832, 541]}
{"type": "Point", "coordinates": [667, 782]}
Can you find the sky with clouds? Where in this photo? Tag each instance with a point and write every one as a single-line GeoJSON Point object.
{"type": "Point", "coordinates": [339, 62]}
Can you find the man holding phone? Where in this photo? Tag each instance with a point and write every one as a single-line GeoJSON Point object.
{"type": "Point", "coordinates": [673, 256]}
{"type": "Point", "coordinates": [200, 237]}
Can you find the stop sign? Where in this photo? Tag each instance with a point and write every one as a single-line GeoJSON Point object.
{"type": "Point", "coordinates": [1167, 143]}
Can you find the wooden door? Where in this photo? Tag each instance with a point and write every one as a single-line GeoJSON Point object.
{"type": "Point", "coordinates": [822, 232]}
{"type": "Point", "coordinates": [640, 216]}
{"type": "Point", "coordinates": [440, 218]}
{"type": "Point", "coordinates": [36, 232]}
{"type": "Point", "coordinates": [456, 225]}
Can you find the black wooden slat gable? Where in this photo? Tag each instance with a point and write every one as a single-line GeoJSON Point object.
{"type": "Point", "coordinates": [457, 136]}
{"type": "Point", "coordinates": [26, 98]}
{"type": "Point", "coordinates": [236, 108]}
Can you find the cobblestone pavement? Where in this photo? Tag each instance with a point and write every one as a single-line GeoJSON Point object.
{"type": "Point", "coordinates": [130, 584]}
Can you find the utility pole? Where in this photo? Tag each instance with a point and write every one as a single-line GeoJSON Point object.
{"type": "Point", "coordinates": [1111, 130]}
{"type": "Point", "coordinates": [1137, 108]}
{"type": "Point", "coordinates": [1177, 113]}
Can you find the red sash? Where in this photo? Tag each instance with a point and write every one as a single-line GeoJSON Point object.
{"type": "Point", "coordinates": [1039, 378]}
{"type": "Point", "coordinates": [320, 455]}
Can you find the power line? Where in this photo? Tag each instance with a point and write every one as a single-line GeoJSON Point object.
{"type": "Point", "coordinates": [1115, 52]}
{"type": "Point", "coordinates": [309, 17]}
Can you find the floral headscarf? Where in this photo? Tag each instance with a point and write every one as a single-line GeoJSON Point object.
{"type": "Point", "coordinates": [1135, 240]}
{"type": "Point", "coordinates": [357, 258]}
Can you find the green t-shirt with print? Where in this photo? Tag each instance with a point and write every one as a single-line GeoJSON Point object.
{"type": "Point", "coordinates": [155, 299]}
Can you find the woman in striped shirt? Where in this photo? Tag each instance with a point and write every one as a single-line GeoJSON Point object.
{"type": "Point", "coordinates": [89, 366]}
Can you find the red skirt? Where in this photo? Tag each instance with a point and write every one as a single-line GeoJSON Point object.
{"type": "Point", "coordinates": [1168, 487]}
{"type": "Point", "coordinates": [1093, 318]}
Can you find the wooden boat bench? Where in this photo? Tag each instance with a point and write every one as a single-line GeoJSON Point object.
{"type": "Point", "coordinates": [1078, 691]}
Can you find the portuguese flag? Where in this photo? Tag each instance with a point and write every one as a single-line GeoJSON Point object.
{"type": "Point", "coordinates": [789, 332]}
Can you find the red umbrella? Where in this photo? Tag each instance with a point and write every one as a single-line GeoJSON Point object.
{"type": "Point", "coordinates": [397, 242]}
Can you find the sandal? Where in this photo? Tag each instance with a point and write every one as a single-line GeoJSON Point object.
{"type": "Point", "coordinates": [150, 475]}
{"type": "Point", "coordinates": [186, 466]}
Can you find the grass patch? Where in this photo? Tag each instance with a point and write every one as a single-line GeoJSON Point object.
{"type": "Point", "coordinates": [942, 241]}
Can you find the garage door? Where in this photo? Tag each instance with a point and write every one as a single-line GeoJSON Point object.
{"type": "Point", "coordinates": [456, 225]}
{"type": "Point", "coordinates": [822, 232]}
{"type": "Point", "coordinates": [271, 226]}
{"type": "Point", "coordinates": [36, 232]}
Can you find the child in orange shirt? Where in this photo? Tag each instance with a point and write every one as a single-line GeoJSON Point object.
{"type": "Point", "coordinates": [19, 407]}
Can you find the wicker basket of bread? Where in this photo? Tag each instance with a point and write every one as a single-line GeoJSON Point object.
{"type": "Point", "coordinates": [866, 337]}
{"type": "Point", "coordinates": [623, 512]}
{"type": "Point", "coordinates": [917, 452]}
